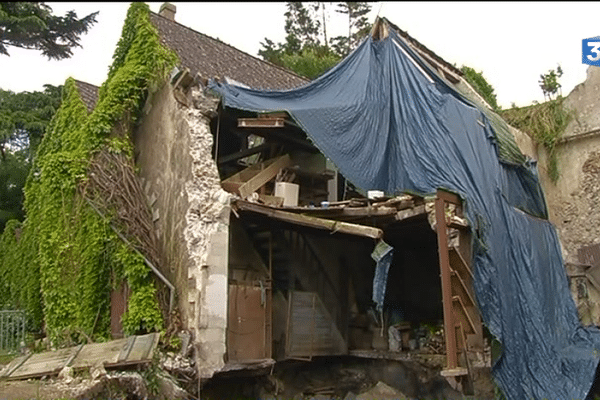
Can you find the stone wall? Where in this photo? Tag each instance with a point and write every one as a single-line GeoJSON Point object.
{"type": "Point", "coordinates": [574, 199]}
{"type": "Point", "coordinates": [190, 212]}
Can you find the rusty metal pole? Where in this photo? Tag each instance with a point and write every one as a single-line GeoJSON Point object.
{"type": "Point", "coordinates": [442, 236]}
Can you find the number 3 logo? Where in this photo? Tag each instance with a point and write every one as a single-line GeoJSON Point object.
{"type": "Point", "coordinates": [590, 51]}
{"type": "Point", "coordinates": [595, 49]}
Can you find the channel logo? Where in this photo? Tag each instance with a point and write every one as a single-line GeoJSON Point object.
{"type": "Point", "coordinates": [590, 51]}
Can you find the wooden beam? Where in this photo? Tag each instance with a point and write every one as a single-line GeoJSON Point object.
{"type": "Point", "coordinates": [261, 122]}
{"type": "Point", "coordinates": [312, 222]}
{"type": "Point", "coordinates": [254, 177]}
{"type": "Point", "coordinates": [243, 153]}
{"type": "Point", "coordinates": [410, 212]}
{"type": "Point", "coordinates": [282, 136]}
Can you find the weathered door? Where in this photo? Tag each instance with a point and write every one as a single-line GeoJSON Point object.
{"type": "Point", "coordinates": [249, 327]}
{"type": "Point", "coordinates": [118, 306]}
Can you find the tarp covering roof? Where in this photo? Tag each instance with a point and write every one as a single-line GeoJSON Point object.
{"type": "Point", "coordinates": [389, 122]}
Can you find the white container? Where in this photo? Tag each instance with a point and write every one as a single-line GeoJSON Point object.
{"type": "Point", "coordinates": [289, 192]}
{"type": "Point", "coordinates": [375, 194]}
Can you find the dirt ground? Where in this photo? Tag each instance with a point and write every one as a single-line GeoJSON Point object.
{"type": "Point", "coordinates": [34, 389]}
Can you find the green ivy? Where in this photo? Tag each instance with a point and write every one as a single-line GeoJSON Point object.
{"type": "Point", "coordinates": [545, 123]}
{"type": "Point", "coordinates": [481, 85]}
{"type": "Point", "coordinates": [74, 256]}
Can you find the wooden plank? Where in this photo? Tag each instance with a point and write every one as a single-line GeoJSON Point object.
{"type": "Point", "coordinates": [448, 197]}
{"type": "Point", "coordinates": [70, 360]}
{"type": "Point", "coordinates": [141, 348]}
{"type": "Point", "coordinates": [126, 349]}
{"type": "Point", "coordinates": [454, 372]}
{"type": "Point", "coordinates": [263, 122]}
{"type": "Point", "coordinates": [410, 213]}
{"type": "Point", "coordinates": [13, 365]}
{"type": "Point", "coordinates": [460, 286]}
{"type": "Point", "coordinates": [271, 200]}
{"type": "Point", "coordinates": [115, 353]}
{"type": "Point", "coordinates": [312, 222]}
{"type": "Point", "coordinates": [40, 364]}
{"type": "Point", "coordinates": [98, 353]}
{"type": "Point", "coordinates": [442, 237]}
{"type": "Point", "coordinates": [461, 310]}
{"type": "Point", "coordinates": [458, 262]}
{"type": "Point", "coordinates": [255, 176]}
{"type": "Point", "coordinates": [244, 153]}
{"type": "Point", "coordinates": [264, 176]}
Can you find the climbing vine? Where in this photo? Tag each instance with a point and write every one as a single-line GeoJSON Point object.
{"type": "Point", "coordinates": [545, 123]}
{"type": "Point", "coordinates": [72, 249]}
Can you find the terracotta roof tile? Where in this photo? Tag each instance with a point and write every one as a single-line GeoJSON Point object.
{"type": "Point", "coordinates": [215, 59]}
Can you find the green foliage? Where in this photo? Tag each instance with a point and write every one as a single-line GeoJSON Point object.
{"type": "Point", "coordinates": [358, 26]}
{"type": "Point", "coordinates": [481, 86]}
{"type": "Point", "coordinates": [19, 289]}
{"type": "Point", "coordinates": [303, 51]}
{"type": "Point", "coordinates": [13, 172]}
{"type": "Point", "coordinates": [25, 116]}
{"type": "Point", "coordinates": [549, 82]}
{"type": "Point", "coordinates": [33, 26]}
{"type": "Point", "coordinates": [545, 123]}
{"type": "Point", "coordinates": [76, 253]}
{"type": "Point", "coordinates": [23, 119]}
{"type": "Point", "coordinates": [310, 62]}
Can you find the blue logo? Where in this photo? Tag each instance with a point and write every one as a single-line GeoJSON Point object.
{"type": "Point", "coordinates": [590, 51]}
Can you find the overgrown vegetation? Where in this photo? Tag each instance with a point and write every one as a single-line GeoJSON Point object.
{"type": "Point", "coordinates": [66, 256]}
{"type": "Point", "coordinates": [545, 123]}
{"type": "Point", "coordinates": [481, 86]}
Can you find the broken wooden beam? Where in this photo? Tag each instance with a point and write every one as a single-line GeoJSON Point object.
{"type": "Point", "coordinates": [244, 153]}
{"type": "Point", "coordinates": [247, 181]}
{"type": "Point", "coordinates": [410, 212]}
{"type": "Point", "coordinates": [261, 122]}
{"type": "Point", "coordinates": [312, 222]}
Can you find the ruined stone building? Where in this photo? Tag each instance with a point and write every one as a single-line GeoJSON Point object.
{"type": "Point", "coordinates": [276, 256]}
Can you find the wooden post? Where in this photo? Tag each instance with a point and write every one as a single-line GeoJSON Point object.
{"type": "Point", "coordinates": [442, 236]}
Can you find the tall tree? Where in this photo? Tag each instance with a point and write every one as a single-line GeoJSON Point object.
{"type": "Point", "coordinates": [23, 121]}
{"type": "Point", "coordinates": [304, 52]}
{"type": "Point", "coordinates": [358, 26]}
{"type": "Point", "coordinates": [301, 26]}
{"type": "Point", "coordinates": [33, 26]}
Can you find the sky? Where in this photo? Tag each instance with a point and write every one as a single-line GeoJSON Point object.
{"type": "Point", "coordinates": [512, 43]}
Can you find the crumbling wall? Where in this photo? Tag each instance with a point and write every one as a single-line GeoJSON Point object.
{"type": "Point", "coordinates": [190, 212]}
{"type": "Point", "coordinates": [574, 198]}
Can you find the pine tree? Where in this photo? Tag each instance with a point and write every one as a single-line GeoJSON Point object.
{"type": "Point", "coordinates": [33, 26]}
{"type": "Point", "coordinates": [358, 26]}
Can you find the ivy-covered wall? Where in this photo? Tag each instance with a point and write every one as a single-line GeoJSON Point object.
{"type": "Point", "coordinates": [66, 255]}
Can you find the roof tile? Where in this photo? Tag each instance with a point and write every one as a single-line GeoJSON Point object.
{"type": "Point", "coordinates": [215, 59]}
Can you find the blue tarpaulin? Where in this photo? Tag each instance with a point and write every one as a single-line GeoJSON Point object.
{"type": "Point", "coordinates": [383, 254]}
{"type": "Point", "coordinates": [390, 123]}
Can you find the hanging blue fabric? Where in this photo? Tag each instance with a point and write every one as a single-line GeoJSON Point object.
{"type": "Point", "coordinates": [383, 255]}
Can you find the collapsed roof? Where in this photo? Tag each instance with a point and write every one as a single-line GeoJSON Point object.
{"type": "Point", "coordinates": [390, 122]}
